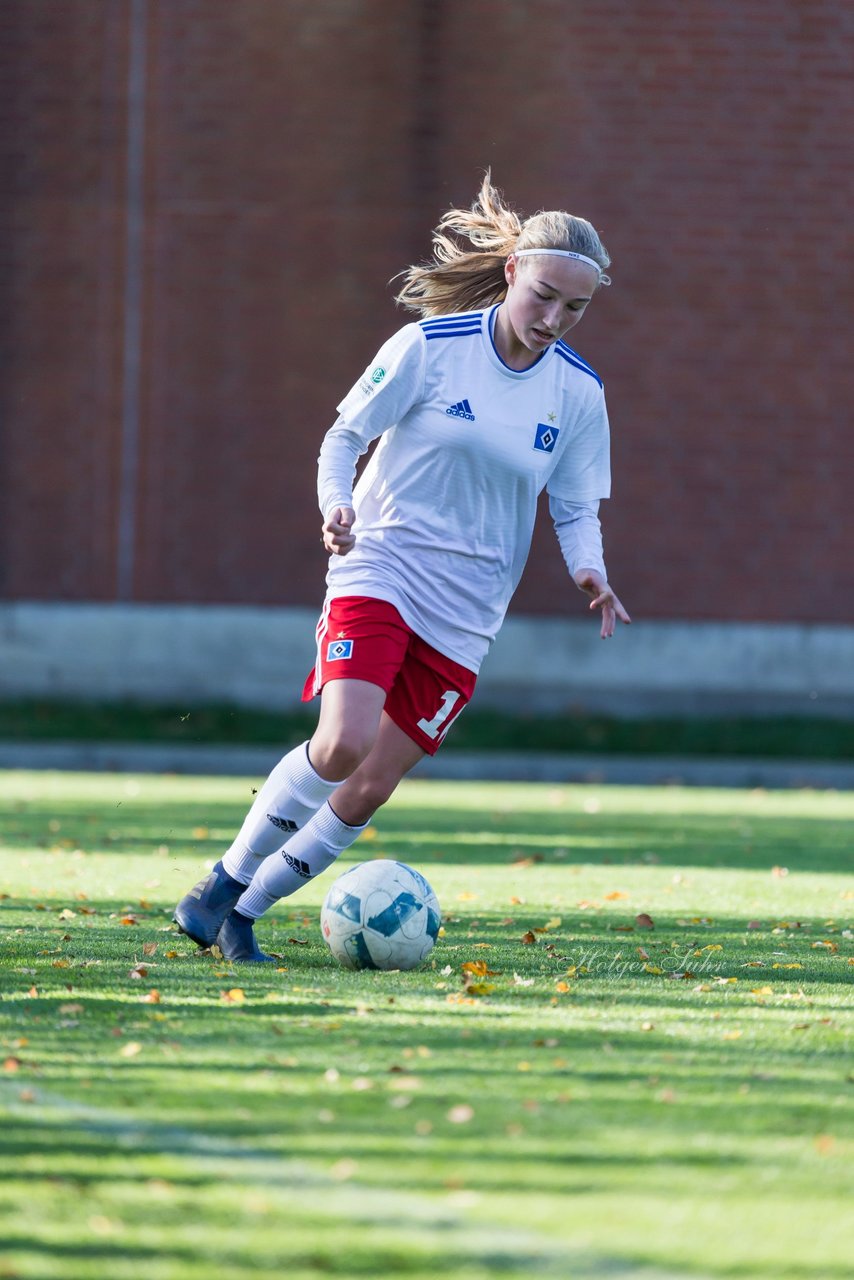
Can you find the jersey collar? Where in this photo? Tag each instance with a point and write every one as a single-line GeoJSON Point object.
{"type": "Point", "coordinates": [487, 333]}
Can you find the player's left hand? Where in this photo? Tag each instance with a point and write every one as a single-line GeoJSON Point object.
{"type": "Point", "coordinates": [603, 597]}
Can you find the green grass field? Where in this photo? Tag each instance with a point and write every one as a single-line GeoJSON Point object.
{"type": "Point", "coordinates": [653, 1079]}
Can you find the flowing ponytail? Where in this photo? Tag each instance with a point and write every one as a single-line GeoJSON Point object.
{"type": "Point", "coordinates": [469, 278]}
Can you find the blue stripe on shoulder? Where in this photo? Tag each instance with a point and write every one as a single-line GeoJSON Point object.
{"type": "Point", "coordinates": [450, 333]}
{"type": "Point", "coordinates": [444, 322]}
{"type": "Point", "coordinates": [573, 358]}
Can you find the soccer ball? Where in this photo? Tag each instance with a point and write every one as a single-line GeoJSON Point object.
{"type": "Point", "coordinates": [380, 915]}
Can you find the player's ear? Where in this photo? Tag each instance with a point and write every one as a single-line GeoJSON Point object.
{"type": "Point", "coordinates": [511, 270]}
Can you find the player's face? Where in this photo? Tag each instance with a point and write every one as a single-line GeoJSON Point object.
{"type": "Point", "coordinates": [546, 297]}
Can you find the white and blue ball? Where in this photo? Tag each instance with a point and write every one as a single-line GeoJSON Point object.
{"type": "Point", "coordinates": [380, 915]}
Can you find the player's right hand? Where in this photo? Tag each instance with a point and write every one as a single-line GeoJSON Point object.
{"type": "Point", "coordinates": [338, 535]}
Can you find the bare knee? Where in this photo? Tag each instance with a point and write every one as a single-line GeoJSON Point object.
{"type": "Point", "coordinates": [335, 755]}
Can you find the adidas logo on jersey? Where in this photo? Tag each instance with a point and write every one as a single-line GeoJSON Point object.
{"type": "Point", "coordinates": [462, 409]}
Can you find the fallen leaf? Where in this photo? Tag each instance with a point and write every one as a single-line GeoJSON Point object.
{"type": "Point", "coordinates": [149, 948]}
{"type": "Point", "coordinates": [617, 894]}
{"type": "Point", "coordinates": [151, 997]}
{"type": "Point", "coordinates": [235, 996]}
{"type": "Point", "coordinates": [643, 921]}
{"type": "Point", "coordinates": [480, 988]}
{"type": "Point", "coordinates": [479, 969]}
{"type": "Point", "coordinates": [131, 1049]}
{"type": "Point", "coordinates": [460, 1114]}
{"type": "Point", "coordinates": [528, 938]}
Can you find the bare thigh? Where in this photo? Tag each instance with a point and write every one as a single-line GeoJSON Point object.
{"type": "Point", "coordinates": [392, 756]}
{"type": "Point", "coordinates": [350, 713]}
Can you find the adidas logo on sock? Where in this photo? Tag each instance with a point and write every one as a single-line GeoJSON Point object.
{"type": "Point", "coordinates": [284, 824]}
{"type": "Point", "coordinates": [462, 409]}
{"type": "Point", "coordinates": [297, 865]}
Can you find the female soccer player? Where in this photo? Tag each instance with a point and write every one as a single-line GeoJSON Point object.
{"type": "Point", "coordinates": [479, 406]}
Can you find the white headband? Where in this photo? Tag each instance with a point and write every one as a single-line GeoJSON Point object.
{"type": "Point", "coordinates": [559, 253]}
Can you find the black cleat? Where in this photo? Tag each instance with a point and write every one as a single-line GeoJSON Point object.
{"type": "Point", "coordinates": [200, 912]}
{"type": "Point", "coordinates": [236, 941]}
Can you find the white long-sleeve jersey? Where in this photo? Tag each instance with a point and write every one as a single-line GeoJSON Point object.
{"type": "Point", "coordinates": [445, 507]}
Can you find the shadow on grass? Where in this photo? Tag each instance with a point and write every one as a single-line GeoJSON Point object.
{"type": "Point", "coordinates": [460, 834]}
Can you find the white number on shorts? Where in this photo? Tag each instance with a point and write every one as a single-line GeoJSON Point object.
{"type": "Point", "coordinates": [440, 724]}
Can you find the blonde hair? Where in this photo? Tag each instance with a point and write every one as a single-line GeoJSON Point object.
{"type": "Point", "coordinates": [468, 278]}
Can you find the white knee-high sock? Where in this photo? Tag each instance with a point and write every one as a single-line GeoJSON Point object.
{"type": "Point", "coordinates": [305, 855]}
{"type": "Point", "coordinates": [293, 792]}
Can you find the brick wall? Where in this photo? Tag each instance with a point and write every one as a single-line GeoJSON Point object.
{"type": "Point", "coordinates": [203, 201]}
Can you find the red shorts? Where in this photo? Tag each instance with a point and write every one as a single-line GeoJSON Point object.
{"type": "Point", "coordinates": [360, 638]}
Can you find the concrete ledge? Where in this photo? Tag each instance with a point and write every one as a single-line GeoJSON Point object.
{"type": "Point", "coordinates": [451, 765]}
{"type": "Point", "coordinates": [259, 657]}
